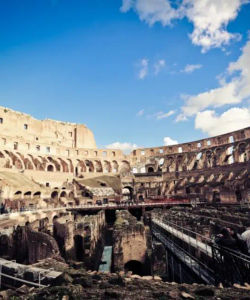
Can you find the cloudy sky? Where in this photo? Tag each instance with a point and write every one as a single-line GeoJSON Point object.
{"type": "Point", "coordinates": [136, 72]}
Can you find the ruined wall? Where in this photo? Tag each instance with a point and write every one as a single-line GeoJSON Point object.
{"type": "Point", "coordinates": [80, 237]}
{"type": "Point", "coordinates": [28, 246]}
{"type": "Point", "coordinates": [89, 238]}
{"type": "Point", "coordinates": [24, 128]}
{"type": "Point", "coordinates": [131, 241]}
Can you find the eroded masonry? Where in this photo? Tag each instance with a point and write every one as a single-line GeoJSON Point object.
{"type": "Point", "coordinates": [155, 213]}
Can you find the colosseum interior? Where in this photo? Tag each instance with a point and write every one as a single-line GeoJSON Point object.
{"type": "Point", "coordinates": [151, 215]}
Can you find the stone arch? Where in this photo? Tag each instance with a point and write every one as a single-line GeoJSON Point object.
{"type": "Point", "coordinates": [57, 165]}
{"type": "Point", "coordinates": [18, 195]}
{"type": "Point", "coordinates": [107, 167]}
{"type": "Point", "coordinates": [90, 166]}
{"type": "Point", "coordinates": [125, 167]}
{"type": "Point", "coordinates": [115, 166]}
{"type": "Point", "coordinates": [98, 166]}
{"type": "Point", "coordinates": [4, 161]}
{"type": "Point", "coordinates": [127, 192]}
{"type": "Point", "coordinates": [80, 167]}
{"type": "Point", "coordinates": [27, 195]}
{"type": "Point", "coordinates": [170, 164]}
{"type": "Point", "coordinates": [54, 195]}
{"type": "Point", "coordinates": [37, 195]}
{"type": "Point", "coordinates": [50, 168]}
{"type": "Point", "coordinates": [28, 162]}
{"type": "Point", "coordinates": [229, 155]}
{"type": "Point", "coordinates": [2, 155]}
{"type": "Point", "coordinates": [209, 161]}
{"type": "Point", "coordinates": [179, 161]}
{"type": "Point", "coordinates": [38, 163]}
{"type": "Point", "coordinates": [242, 147]}
{"type": "Point", "coordinates": [71, 166]}
{"type": "Point", "coordinates": [134, 266]}
{"type": "Point", "coordinates": [217, 153]}
{"type": "Point", "coordinates": [150, 170]}
{"type": "Point", "coordinates": [16, 161]}
{"type": "Point", "coordinates": [63, 194]}
{"type": "Point", "coordinates": [64, 165]}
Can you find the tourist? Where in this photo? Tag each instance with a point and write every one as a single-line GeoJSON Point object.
{"type": "Point", "coordinates": [224, 239]}
{"type": "Point", "coordinates": [246, 236]}
{"type": "Point", "coordinates": [240, 242]}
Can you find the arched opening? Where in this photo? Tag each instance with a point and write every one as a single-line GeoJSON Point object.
{"type": "Point", "coordinates": [89, 166]}
{"type": "Point", "coordinates": [98, 166]}
{"type": "Point", "coordinates": [107, 167]}
{"type": "Point", "coordinates": [28, 164]}
{"type": "Point", "coordinates": [63, 194]}
{"type": "Point", "coordinates": [39, 164]}
{"type": "Point", "coordinates": [115, 166]}
{"type": "Point", "coordinates": [188, 190]}
{"type": "Point", "coordinates": [64, 165]}
{"type": "Point", "coordinates": [125, 167]}
{"type": "Point", "coordinates": [140, 198]}
{"type": "Point", "coordinates": [55, 162]}
{"type": "Point", "coordinates": [135, 267]}
{"type": "Point", "coordinates": [37, 195]}
{"type": "Point", "coordinates": [195, 165]}
{"type": "Point", "coordinates": [55, 218]}
{"type": "Point", "coordinates": [79, 248]}
{"type": "Point", "coordinates": [150, 170]}
{"type": "Point", "coordinates": [80, 168]}
{"type": "Point", "coordinates": [54, 195]}
{"type": "Point", "coordinates": [242, 152]}
{"type": "Point", "coordinates": [17, 195]}
{"type": "Point", "coordinates": [127, 193]}
{"type": "Point", "coordinates": [27, 195]}
{"type": "Point", "coordinates": [50, 168]}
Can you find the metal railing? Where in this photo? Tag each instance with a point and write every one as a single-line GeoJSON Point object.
{"type": "Point", "coordinates": [225, 265]}
{"type": "Point", "coordinates": [92, 206]}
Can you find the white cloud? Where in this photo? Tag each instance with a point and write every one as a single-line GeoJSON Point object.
{"type": "Point", "coordinates": [191, 68]}
{"type": "Point", "coordinates": [140, 113]}
{"type": "Point", "coordinates": [161, 115]}
{"type": "Point", "coordinates": [126, 147]}
{"type": "Point", "coordinates": [126, 5]}
{"type": "Point", "coordinates": [231, 120]}
{"type": "Point", "coordinates": [143, 72]}
{"type": "Point", "coordinates": [159, 65]}
{"type": "Point", "coordinates": [151, 11]}
{"type": "Point", "coordinates": [168, 141]}
{"type": "Point", "coordinates": [209, 17]}
{"type": "Point", "coordinates": [231, 91]}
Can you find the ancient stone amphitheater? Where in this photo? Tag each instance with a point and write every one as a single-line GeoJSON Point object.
{"type": "Point", "coordinates": [40, 158]}
{"type": "Point", "coordinates": [65, 200]}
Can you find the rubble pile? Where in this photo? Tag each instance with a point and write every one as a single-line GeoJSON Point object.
{"type": "Point", "coordinates": [82, 284]}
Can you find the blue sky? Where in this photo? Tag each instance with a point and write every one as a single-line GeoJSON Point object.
{"type": "Point", "coordinates": [133, 71]}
